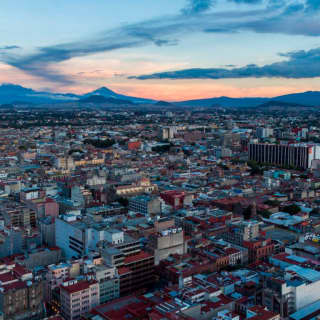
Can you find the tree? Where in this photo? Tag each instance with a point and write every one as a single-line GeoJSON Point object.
{"type": "Point", "coordinates": [314, 211]}
{"type": "Point", "coordinates": [272, 203]}
{"type": "Point", "coordinates": [255, 168]}
{"type": "Point", "coordinates": [23, 148]}
{"type": "Point", "coordinates": [291, 209]}
{"type": "Point", "coordinates": [100, 143]}
{"type": "Point", "coordinates": [123, 201]}
{"type": "Point", "coordinates": [265, 213]}
{"type": "Point", "coordinates": [247, 213]}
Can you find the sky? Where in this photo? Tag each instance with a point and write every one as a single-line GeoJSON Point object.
{"type": "Point", "coordinates": [162, 49]}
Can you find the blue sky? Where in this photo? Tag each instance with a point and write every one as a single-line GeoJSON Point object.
{"type": "Point", "coordinates": [166, 49]}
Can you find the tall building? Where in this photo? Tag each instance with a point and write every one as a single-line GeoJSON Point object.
{"type": "Point", "coordinates": [109, 283]}
{"type": "Point", "coordinates": [134, 266]}
{"type": "Point", "coordinates": [296, 155]}
{"type": "Point", "coordinates": [21, 294]}
{"type": "Point", "coordinates": [78, 297]}
{"type": "Point", "coordinates": [65, 163]}
{"type": "Point", "coordinates": [293, 288]}
{"type": "Point", "coordinates": [167, 133]}
{"type": "Point", "coordinates": [18, 215]}
{"type": "Point", "coordinates": [241, 232]}
{"type": "Point", "coordinates": [166, 242]}
{"type": "Point", "coordinates": [264, 132]}
{"type": "Point", "coordinates": [11, 242]}
{"type": "Point", "coordinates": [147, 205]}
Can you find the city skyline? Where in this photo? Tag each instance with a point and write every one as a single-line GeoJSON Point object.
{"type": "Point", "coordinates": [163, 50]}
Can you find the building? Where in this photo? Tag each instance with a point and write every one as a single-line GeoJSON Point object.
{"type": "Point", "coordinates": [56, 274]}
{"type": "Point", "coordinates": [18, 215]}
{"type": "Point", "coordinates": [263, 133]}
{"type": "Point", "coordinates": [135, 188]}
{"type": "Point", "coordinates": [77, 237]}
{"type": "Point", "coordinates": [134, 266]}
{"type": "Point", "coordinates": [311, 311]}
{"type": "Point", "coordinates": [44, 207]}
{"type": "Point", "coordinates": [176, 199]}
{"type": "Point", "coordinates": [147, 205]}
{"type": "Point", "coordinates": [134, 145]}
{"type": "Point", "coordinates": [294, 287]}
{"type": "Point", "coordinates": [167, 133]}
{"type": "Point", "coordinates": [295, 155]}
{"type": "Point", "coordinates": [48, 231]}
{"type": "Point", "coordinates": [11, 242]}
{"type": "Point", "coordinates": [259, 249]}
{"type": "Point", "coordinates": [106, 211]}
{"type": "Point", "coordinates": [109, 282]}
{"type": "Point", "coordinates": [21, 295]}
{"type": "Point", "coordinates": [137, 273]}
{"type": "Point", "coordinates": [78, 297]}
{"type": "Point", "coordinates": [65, 163]}
{"type": "Point", "coordinates": [71, 236]}
{"type": "Point", "coordinates": [166, 242]}
{"type": "Point", "coordinates": [239, 232]}
{"type": "Point", "coordinates": [221, 152]}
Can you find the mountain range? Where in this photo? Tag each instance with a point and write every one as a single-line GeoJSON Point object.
{"type": "Point", "coordinates": [12, 93]}
{"type": "Point", "coordinates": [308, 98]}
{"type": "Point", "coordinates": [15, 94]}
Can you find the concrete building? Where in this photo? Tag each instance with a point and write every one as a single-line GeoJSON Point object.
{"type": "Point", "coordinates": [239, 232]}
{"type": "Point", "coordinates": [77, 237]}
{"type": "Point", "coordinates": [263, 133]}
{"type": "Point", "coordinates": [18, 215]}
{"type": "Point", "coordinates": [134, 266]}
{"type": "Point", "coordinates": [71, 236]}
{"type": "Point", "coordinates": [78, 297]}
{"type": "Point", "coordinates": [21, 295]}
{"type": "Point", "coordinates": [166, 242]}
{"type": "Point", "coordinates": [146, 205]}
{"type": "Point", "coordinates": [167, 133]}
{"type": "Point", "coordinates": [64, 163]}
{"type": "Point", "coordinates": [221, 152]}
{"type": "Point", "coordinates": [48, 231]}
{"type": "Point", "coordinates": [294, 288]}
{"type": "Point", "coordinates": [11, 242]}
{"type": "Point", "coordinates": [109, 282]}
{"type": "Point", "coordinates": [295, 155]}
{"type": "Point", "coordinates": [177, 199]}
{"type": "Point", "coordinates": [56, 274]}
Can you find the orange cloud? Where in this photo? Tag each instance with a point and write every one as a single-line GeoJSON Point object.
{"type": "Point", "coordinates": [89, 75]}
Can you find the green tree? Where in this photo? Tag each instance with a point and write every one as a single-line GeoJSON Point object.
{"type": "Point", "coordinates": [247, 213]}
{"type": "Point", "coordinates": [291, 209]}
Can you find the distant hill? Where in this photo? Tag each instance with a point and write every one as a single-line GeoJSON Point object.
{"type": "Point", "coordinates": [309, 98]}
{"type": "Point", "coordinates": [107, 93]}
{"type": "Point", "coordinates": [275, 104]}
{"type": "Point", "coordinates": [10, 93]}
{"type": "Point", "coordinates": [101, 99]}
{"type": "Point", "coordinates": [223, 102]}
{"type": "Point", "coordinates": [6, 106]}
{"type": "Point", "coordinates": [164, 104]}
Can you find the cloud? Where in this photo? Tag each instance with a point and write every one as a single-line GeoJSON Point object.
{"type": "Point", "coordinates": [160, 32]}
{"type": "Point", "coordinates": [298, 64]}
{"type": "Point", "coordinates": [5, 48]}
{"type": "Point", "coordinates": [196, 17]}
{"type": "Point", "coordinates": [312, 5]}
{"type": "Point", "coordinates": [198, 6]}
{"type": "Point", "coordinates": [246, 1]}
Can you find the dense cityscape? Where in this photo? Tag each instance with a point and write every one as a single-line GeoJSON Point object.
{"type": "Point", "coordinates": [160, 160]}
{"type": "Point", "coordinates": [199, 213]}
